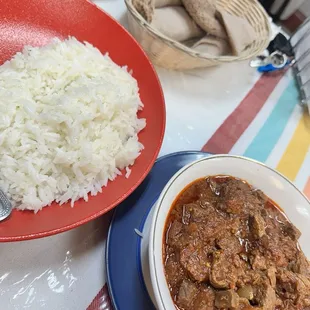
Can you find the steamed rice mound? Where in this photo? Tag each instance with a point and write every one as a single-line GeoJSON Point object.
{"type": "Point", "coordinates": [68, 123]}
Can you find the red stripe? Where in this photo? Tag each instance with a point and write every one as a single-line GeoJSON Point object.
{"type": "Point", "coordinates": [239, 120]}
{"type": "Point", "coordinates": [101, 301]}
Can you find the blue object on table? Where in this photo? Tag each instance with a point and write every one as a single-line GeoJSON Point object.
{"type": "Point", "coordinates": [126, 279]}
{"type": "Point", "coordinates": [271, 68]}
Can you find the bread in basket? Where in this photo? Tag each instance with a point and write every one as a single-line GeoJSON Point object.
{"type": "Point", "coordinates": [165, 52]}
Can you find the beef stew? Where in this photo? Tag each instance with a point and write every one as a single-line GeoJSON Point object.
{"type": "Point", "coordinates": [228, 246]}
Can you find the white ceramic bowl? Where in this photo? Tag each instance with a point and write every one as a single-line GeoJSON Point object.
{"type": "Point", "coordinates": [273, 184]}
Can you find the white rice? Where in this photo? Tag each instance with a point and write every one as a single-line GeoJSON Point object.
{"type": "Point", "coordinates": [68, 123]}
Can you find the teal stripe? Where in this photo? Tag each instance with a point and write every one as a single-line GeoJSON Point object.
{"type": "Point", "coordinates": [269, 134]}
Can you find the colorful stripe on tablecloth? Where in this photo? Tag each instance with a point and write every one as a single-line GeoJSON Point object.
{"type": "Point", "coordinates": [271, 126]}
{"type": "Point", "coordinates": [238, 121]}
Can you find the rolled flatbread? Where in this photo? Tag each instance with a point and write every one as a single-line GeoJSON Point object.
{"type": "Point", "coordinates": [240, 33]}
{"type": "Point", "coordinates": [212, 46]}
{"type": "Point", "coordinates": [162, 3]}
{"type": "Point", "coordinates": [145, 8]}
{"type": "Point", "coordinates": [175, 23]}
{"type": "Point", "coordinates": [203, 12]}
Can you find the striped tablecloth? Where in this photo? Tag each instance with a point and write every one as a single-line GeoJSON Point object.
{"type": "Point", "coordinates": [228, 109]}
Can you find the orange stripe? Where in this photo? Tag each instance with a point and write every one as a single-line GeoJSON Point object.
{"type": "Point", "coordinates": [307, 189]}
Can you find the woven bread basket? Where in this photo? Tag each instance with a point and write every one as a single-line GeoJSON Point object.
{"type": "Point", "coordinates": [170, 54]}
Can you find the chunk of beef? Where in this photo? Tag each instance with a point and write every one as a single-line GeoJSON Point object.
{"type": "Point", "coordinates": [257, 226]}
{"type": "Point", "coordinates": [195, 261]}
{"type": "Point", "coordinates": [174, 233]}
{"type": "Point", "coordinates": [239, 198]}
{"type": "Point", "coordinates": [229, 243]}
{"type": "Point", "coordinates": [241, 265]}
{"type": "Point", "coordinates": [286, 285]}
{"type": "Point", "coordinates": [290, 230]}
{"type": "Point", "coordinates": [294, 289]}
{"type": "Point", "coordinates": [194, 213]}
{"type": "Point", "coordinates": [174, 273]}
{"type": "Point", "coordinates": [252, 277]}
{"type": "Point", "coordinates": [288, 305]}
{"type": "Point", "coordinates": [198, 214]}
{"type": "Point", "coordinates": [187, 293]}
{"type": "Point", "coordinates": [281, 251]}
{"type": "Point", "coordinates": [302, 265]}
{"type": "Point", "coordinates": [205, 299]}
{"type": "Point", "coordinates": [234, 185]}
{"type": "Point", "coordinates": [265, 242]}
{"type": "Point", "coordinates": [211, 229]}
{"type": "Point", "coordinates": [258, 261]}
{"type": "Point", "coordinates": [223, 274]}
{"type": "Point", "coordinates": [303, 291]}
{"type": "Point", "coordinates": [221, 206]}
{"type": "Point", "coordinates": [194, 192]}
{"type": "Point", "coordinates": [274, 253]}
{"type": "Point", "coordinates": [271, 274]}
{"type": "Point", "coordinates": [289, 248]}
{"type": "Point", "coordinates": [193, 230]}
{"type": "Point", "coordinates": [280, 248]}
{"type": "Point", "coordinates": [265, 296]}
{"type": "Point", "coordinates": [260, 195]}
{"type": "Point", "coordinates": [226, 299]}
{"type": "Point", "coordinates": [234, 206]}
{"type": "Point", "coordinates": [205, 203]}
{"type": "Point", "coordinates": [178, 239]}
{"type": "Point", "coordinates": [241, 268]}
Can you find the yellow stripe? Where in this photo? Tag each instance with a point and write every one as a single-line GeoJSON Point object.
{"type": "Point", "coordinates": [297, 149]}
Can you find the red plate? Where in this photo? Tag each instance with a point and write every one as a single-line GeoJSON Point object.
{"type": "Point", "coordinates": [35, 22]}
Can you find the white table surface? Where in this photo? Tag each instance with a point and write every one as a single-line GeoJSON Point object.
{"type": "Point", "coordinates": [67, 271]}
